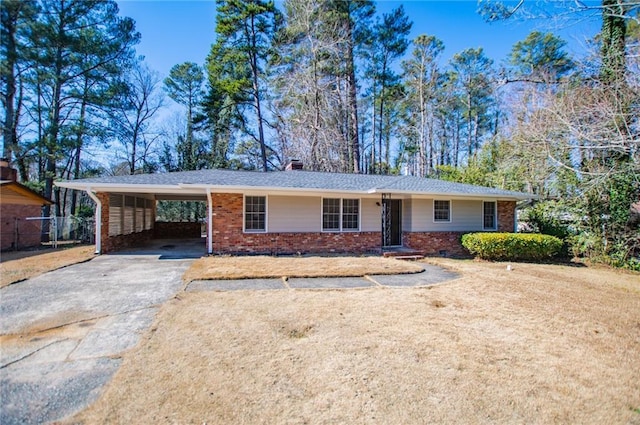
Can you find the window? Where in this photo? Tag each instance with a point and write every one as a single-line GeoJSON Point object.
{"type": "Point", "coordinates": [489, 215]}
{"type": "Point", "coordinates": [330, 214]}
{"type": "Point", "coordinates": [441, 210]}
{"type": "Point", "coordinates": [350, 213]}
{"type": "Point", "coordinates": [255, 212]}
{"type": "Point", "coordinates": [340, 214]}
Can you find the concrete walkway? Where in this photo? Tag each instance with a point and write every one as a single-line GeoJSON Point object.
{"type": "Point", "coordinates": [430, 276]}
{"type": "Point", "coordinates": [62, 334]}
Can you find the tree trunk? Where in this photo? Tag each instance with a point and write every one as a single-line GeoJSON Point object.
{"type": "Point", "coordinates": [9, 131]}
{"type": "Point", "coordinates": [51, 141]}
{"type": "Point", "coordinates": [352, 102]}
{"type": "Point", "coordinates": [256, 94]}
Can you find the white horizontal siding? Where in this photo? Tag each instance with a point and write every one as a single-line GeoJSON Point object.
{"type": "Point", "coordinates": [370, 219]}
{"type": "Point", "coordinates": [294, 214]}
{"type": "Point", "coordinates": [304, 214]}
{"type": "Point", "coordinates": [466, 215]}
{"type": "Point", "coordinates": [407, 215]}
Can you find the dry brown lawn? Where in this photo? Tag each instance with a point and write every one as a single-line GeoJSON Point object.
{"type": "Point", "coordinates": [262, 267]}
{"type": "Point", "coordinates": [539, 344]}
{"type": "Point", "coordinates": [21, 265]}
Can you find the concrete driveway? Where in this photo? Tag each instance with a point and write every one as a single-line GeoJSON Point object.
{"type": "Point", "coordinates": [63, 333]}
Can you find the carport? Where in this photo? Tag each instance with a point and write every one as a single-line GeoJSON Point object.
{"type": "Point", "coordinates": [126, 213]}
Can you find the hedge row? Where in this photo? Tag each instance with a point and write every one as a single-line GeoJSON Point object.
{"type": "Point", "coordinates": [511, 246]}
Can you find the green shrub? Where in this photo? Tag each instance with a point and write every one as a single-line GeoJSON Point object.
{"type": "Point", "coordinates": [512, 246]}
{"type": "Point", "coordinates": [543, 218]}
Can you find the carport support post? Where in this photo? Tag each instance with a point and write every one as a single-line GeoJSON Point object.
{"type": "Point", "coordinates": [209, 223]}
{"type": "Point", "coordinates": [98, 219]}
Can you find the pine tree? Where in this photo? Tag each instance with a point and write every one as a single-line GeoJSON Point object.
{"type": "Point", "coordinates": [74, 43]}
{"type": "Point", "coordinates": [245, 31]}
{"type": "Point", "coordinates": [388, 43]}
{"type": "Point", "coordinates": [184, 86]}
{"type": "Point", "coordinates": [422, 78]}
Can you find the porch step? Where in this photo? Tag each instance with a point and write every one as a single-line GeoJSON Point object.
{"type": "Point", "coordinates": [408, 257]}
{"type": "Point", "coordinates": [403, 254]}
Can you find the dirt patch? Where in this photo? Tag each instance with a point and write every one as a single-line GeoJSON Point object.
{"type": "Point", "coordinates": [16, 267]}
{"type": "Point", "coordinates": [263, 267]}
{"type": "Point", "coordinates": [538, 344]}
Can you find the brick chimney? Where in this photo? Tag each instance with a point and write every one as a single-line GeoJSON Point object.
{"type": "Point", "coordinates": [294, 164]}
{"type": "Point", "coordinates": [6, 172]}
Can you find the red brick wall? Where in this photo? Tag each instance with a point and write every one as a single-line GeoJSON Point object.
{"type": "Point", "coordinates": [506, 216]}
{"type": "Point", "coordinates": [435, 243]}
{"type": "Point", "coordinates": [302, 243]}
{"type": "Point", "coordinates": [28, 231]}
{"type": "Point", "coordinates": [115, 243]}
{"type": "Point", "coordinates": [104, 230]}
{"type": "Point", "coordinates": [176, 230]}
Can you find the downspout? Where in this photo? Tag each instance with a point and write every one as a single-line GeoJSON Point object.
{"type": "Point", "coordinates": [98, 216]}
{"type": "Point", "coordinates": [209, 223]}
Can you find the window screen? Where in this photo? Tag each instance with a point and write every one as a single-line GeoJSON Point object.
{"type": "Point", "coordinates": [330, 214]}
{"type": "Point", "coordinates": [441, 210]}
{"type": "Point", "coordinates": [255, 211]}
{"type": "Point", "coordinates": [489, 215]}
{"type": "Point", "coordinates": [350, 213]}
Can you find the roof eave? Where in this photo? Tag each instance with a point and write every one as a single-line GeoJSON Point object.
{"type": "Point", "coordinates": [242, 189]}
{"type": "Point", "coordinates": [198, 188]}
{"type": "Point", "coordinates": [111, 187]}
{"type": "Point", "coordinates": [27, 192]}
{"type": "Point", "coordinates": [515, 197]}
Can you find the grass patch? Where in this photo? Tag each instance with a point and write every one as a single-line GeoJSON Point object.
{"type": "Point", "coordinates": [537, 344]}
{"type": "Point", "coordinates": [22, 265]}
{"type": "Point", "coordinates": [264, 267]}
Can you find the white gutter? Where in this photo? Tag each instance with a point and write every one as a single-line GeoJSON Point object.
{"type": "Point", "coordinates": [122, 187]}
{"type": "Point", "coordinates": [209, 223]}
{"type": "Point", "coordinates": [452, 195]}
{"type": "Point", "coordinates": [254, 189]}
{"type": "Point", "coordinates": [98, 217]}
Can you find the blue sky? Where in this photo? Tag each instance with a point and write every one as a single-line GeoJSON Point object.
{"type": "Point", "coordinates": [175, 31]}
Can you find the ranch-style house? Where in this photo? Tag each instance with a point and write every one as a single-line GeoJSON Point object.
{"type": "Point", "coordinates": [296, 211]}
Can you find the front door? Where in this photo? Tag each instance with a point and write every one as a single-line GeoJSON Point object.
{"type": "Point", "coordinates": [391, 222]}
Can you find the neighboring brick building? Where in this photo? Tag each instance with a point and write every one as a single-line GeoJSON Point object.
{"type": "Point", "coordinates": [17, 203]}
{"type": "Point", "coordinates": [284, 212]}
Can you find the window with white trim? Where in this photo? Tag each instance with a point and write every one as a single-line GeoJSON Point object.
{"type": "Point", "coordinates": [330, 214]}
{"type": "Point", "coordinates": [441, 210]}
{"type": "Point", "coordinates": [340, 214]}
{"type": "Point", "coordinates": [255, 213]}
{"type": "Point", "coordinates": [350, 214]}
{"type": "Point", "coordinates": [489, 215]}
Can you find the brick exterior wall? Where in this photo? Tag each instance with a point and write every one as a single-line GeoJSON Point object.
{"type": "Point", "coordinates": [506, 216]}
{"type": "Point", "coordinates": [176, 230]}
{"type": "Point", "coordinates": [436, 243]}
{"type": "Point", "coordinates": [298, 243]}
{"type": "Point", "coordinates": [116, 243]}
{"type": "Point", "coordinates": [28, 231]}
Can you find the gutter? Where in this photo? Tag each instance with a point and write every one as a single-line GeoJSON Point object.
{"type": "Point", "coordinates": [98, 216]}
{"type": "Point", "coordinates": [457, 195]}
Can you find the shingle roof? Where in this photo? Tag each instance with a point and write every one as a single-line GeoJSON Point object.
{"type": "Point", "coordinates": [297, 180]}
